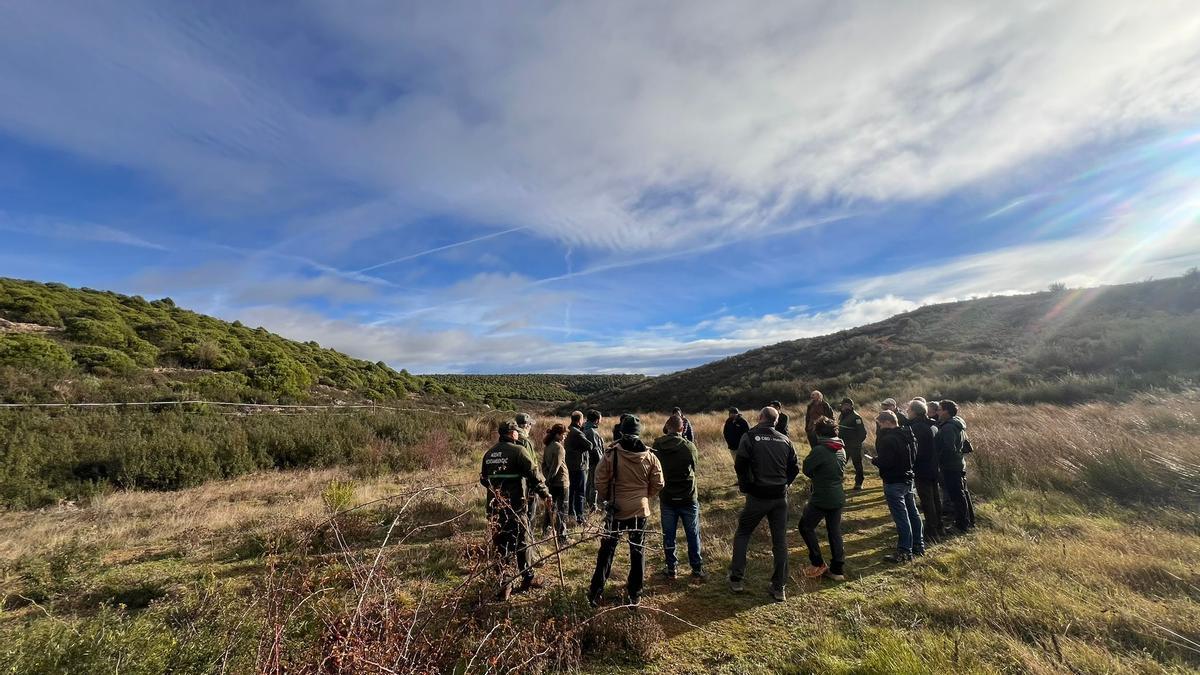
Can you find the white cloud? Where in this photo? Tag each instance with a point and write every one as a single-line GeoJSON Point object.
{"type": "Point", "coordinates": [615, 125]}
{"type": "Point", "coordinates": [55, 228]}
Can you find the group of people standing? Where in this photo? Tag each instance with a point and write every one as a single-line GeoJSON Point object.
{"type": "Point", "coordinates": [919, 455]}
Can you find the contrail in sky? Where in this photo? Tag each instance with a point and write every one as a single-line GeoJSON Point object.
{"type": "Point", "coordinates": [456, 244]}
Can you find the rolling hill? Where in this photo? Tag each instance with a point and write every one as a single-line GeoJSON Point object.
{"type": "Point", "coordinates": [1058, 346]}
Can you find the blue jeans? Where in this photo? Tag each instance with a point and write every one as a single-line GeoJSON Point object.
{"type": "Point", "coordinates": [902, 502]}
{"type": "Point", "coordinates": [578, 490]}
{"type": "Point", "coordinates": [690, 515]}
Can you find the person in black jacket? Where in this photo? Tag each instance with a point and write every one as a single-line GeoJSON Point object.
{"type": "Point", "coordinates": [688, 434]}
{"type": "Point", "coordinates": [853, 432]}
{"type": "Point", "coordinates": [926, 469]}
{"type": "Point", "coordinates": [579, 450]}
{"type": "Point", "coordinates": [736, 426]}
{"type": "Point", "coordinates": [766, 465]}
{"type": "Point", "coordinates": [781, 425]}
{"type": "Point", "coordinates": [894, 458]}
{"type": "Point", "coordinates": [511, 480]}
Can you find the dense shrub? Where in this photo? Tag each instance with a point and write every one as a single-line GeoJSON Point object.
{"type": "Point", "coordinates": [34, 353]}
{"type": "Point", "coordinates": [103, 361]}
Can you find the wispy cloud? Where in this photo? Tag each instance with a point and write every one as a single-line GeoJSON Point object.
{"type": "Point", "coordinates": [54, 228]}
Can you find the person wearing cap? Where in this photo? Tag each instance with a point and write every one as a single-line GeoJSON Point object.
{"type": "Point", "coordinates": [766, 465]}
{"type": "Point", "coordinates": [679, 500]}
{"type": "Point", "coordinates": [688, 434]}
{"type": "Point", "coordinates": [736, 426]}
{"type": "Point", "coordinates": [818, 407]}
{"type": "Point", "coordinates": [524, 423]}
{"type": "Point", "coordinates": [511, 480]}
{"type": "Point", "coordinates": [890, 405]}
{"type": "Point", "coordinates": [894, 457]}
{"type": "Point", "coordinates": [853, 432]}
{"type": "Point", "coordinates": [627, 478]}
{"type": "Point", "coordinates": [591, 429]}
{"type": "Point", "coordinates": [781, 425]}
{"type": "Point", "coordinates": [578, 451]}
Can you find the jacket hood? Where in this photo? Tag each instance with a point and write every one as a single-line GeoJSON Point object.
{"type": "Point", "coordinates": [670, 442]}
{"type": "Point", "coordinates": [632, 445]}
{"type": "Point", "coordinates": [962, 424]}
{"type": "Point", "coordinates": [834, 443]}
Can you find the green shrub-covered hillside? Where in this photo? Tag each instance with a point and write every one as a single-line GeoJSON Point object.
{"type": "Point", "coordinates": [1058, 346]}
{"type": "Point", "coordinates": [88, 345]}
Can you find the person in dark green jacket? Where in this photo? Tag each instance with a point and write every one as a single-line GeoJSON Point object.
{"type": "Point", "coordinates": [825, 465]}
{"type": "Point", "coordinates": [853, 433]}
{"type": "Point", "coordinates": [679, 499]}
{"type": "Point", "coordinates": [511, 481]}
{"type": "Point", "coordinates": [952, 432]}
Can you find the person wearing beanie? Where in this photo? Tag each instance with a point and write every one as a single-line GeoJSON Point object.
{"type": "Point", "coordinates": [736, 426]}
{"type": "Point", "coordinates": [825, 465]}
{"type": "Point", "coordinates": [511, 480]}
{"type": "Point", "coordinates": [679, 500]}
{"type": "Point", "coordinates": [627, 478]}
{"type": "Point", "coordinates": [853, 432]}
{"type": "Point", "coordinates": [818, 407]}
{"type": "Point", "coordinates": [766, 465]}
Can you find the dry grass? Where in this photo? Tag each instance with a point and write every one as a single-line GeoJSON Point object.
{"type": "Point", "coordinates": [1086, 562]}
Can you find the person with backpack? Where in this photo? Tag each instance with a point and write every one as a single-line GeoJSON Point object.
{"type": "Point", "coordinates": [825, 465]}
{"type": "Point", "coordinates": [591, 429]}
{"type": "Point", "coordinates": [736, 426]}
{"type": "Point", "coordinates": [853, 432]}
{"type": "Point", "coordinates": [926, 469]}
{"type": "Point", "coordinates": [578, 451]}
{"type": "Point", "coordinates": [628, 477]}
{"type": "Point", "coordinates": [818, 407]}
{"type": "Point", "coordinates": [688, 434]}
{"type": "Point", "coordinates": [895, 451]}
{"type": "Point", "coordinates": [766, 465]}
{"type": "Point", "coordinates": [679, 500]}
{"type": "Point", "coordinates": [511, 480]}
{"type": "Point", "coordinates": [557, 476]}
{"type": "Point", "coordinates": [952, 444]}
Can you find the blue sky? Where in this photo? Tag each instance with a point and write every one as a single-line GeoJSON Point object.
{"type": "Point", "coordinates": [593, 187]}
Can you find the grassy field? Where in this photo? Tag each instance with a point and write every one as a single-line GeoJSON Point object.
{"type": "Point", "coordinates": [1087, 559]}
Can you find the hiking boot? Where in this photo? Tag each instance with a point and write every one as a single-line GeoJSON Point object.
{"type": "Point", "coordinates": [737, 586]}
{"type": "Point", "coordinates": [836, 576]}
{"type": "Point", "coordinates": [898, 557]}
{"type": "Point", "coordinates": [814, 571]}
{"type": "Point", "coordinates": [529, 584]}
{"type": "Point", "coordinates": [667, 573]}
{"type": "Point", "coordinates": [632, 600]}
{"type": "Point", "coordinates": [594, 598]}
{"type": "Point", "coordinates": [857, 487]}
{"type": "Point", "coordinates": [918, 553]}
{"type": "Point", "coordinates": [777, 593]}
{"type": "Point", "coordinates": [699, 575]}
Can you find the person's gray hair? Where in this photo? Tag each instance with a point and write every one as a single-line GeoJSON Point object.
{"type": "Point", "coordinates": [918, 407]}
{"type": "Point", "coordinates": [768, 414]}
{"type": "Point", "coordinates": [888, 416]}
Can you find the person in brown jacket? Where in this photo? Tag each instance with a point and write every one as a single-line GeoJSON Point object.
{"type": "Point", "coordinates": [628, 477]}
{"type": "Point", "coordinates": [818, 407]}
{"type": "Point", "coordinates": [554, 468]}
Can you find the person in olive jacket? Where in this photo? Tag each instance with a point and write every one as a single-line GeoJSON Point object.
{"type": "Point", "coordinates": [853, 432]}
{"type": "Point", "coordinates": [679, 499]}
{"type": "Point", "coordinates": [511, 480]}
{"type": "Point", "coordinates": [558, 481]}
{"type": "Point", "coordinates": [951, 437]}
{"type": "Point", "coordinates": [825, 465]}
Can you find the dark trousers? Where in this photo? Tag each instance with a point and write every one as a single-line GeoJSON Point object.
{"type": "Point", "coordinates": [855, 454]}
{"type": "Point", "coordinates": [960, 499]}
{"type": "Point", "coordinates": [590, 491]}
{"type": "Point", "coordinates": [636, 530]}
{"type": "Point", "coordinates": [929, 492]}
{"type": "Point", "coordinates": [775, 511]}
{"type": "Point", "coordinates": [511, 538]}
{"type": "Point", "coordinates": [809, 520]}
{"type": "Point", "coordinates": [577, 496]}
{"type": "Point", "coordinates": [558, 495]}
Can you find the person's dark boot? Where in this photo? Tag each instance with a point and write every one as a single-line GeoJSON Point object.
{"type": "Point", "coordinates": [528, 584]}
{"type": "Point", "coordinates": [594, 597]}
{"type": "Point", "coordinates": [898, 557]}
